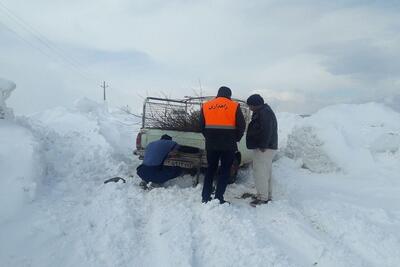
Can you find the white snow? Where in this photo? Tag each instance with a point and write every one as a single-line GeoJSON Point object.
{"type": "Point", "coordinates": [342, 137]}
{"type": "Point", "coordinates": [6, 87]}
{"type": "Point", "coordinates": [20, 168]}
{"type": "Point", "coordinates": [336, 196]}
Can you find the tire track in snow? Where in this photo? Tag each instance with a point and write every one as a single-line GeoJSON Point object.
{"type": "Point", "coordinates": [378, 243]}
{"type": "Point", "coordinates": [307, 244]}
{"type": "Point", "coordinates": [121, 225]}
{"type": "Point", "coordinates": [227, 236]}
{"type": "Point", "coordinates": [169, 232]}
{"type": "Point", "coordinates": [92, 218]}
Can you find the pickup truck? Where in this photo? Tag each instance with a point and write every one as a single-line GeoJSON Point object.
{"type": "Point", "coordinates": [180, 120]}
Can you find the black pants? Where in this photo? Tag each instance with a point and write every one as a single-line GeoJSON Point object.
{"type": "Point", "coordinates": [213, 158]}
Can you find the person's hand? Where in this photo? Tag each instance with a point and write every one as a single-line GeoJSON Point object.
{"type": "Point", "coordinates": [263, 149]}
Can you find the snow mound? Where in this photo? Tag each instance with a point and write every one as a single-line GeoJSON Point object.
{"type": "Point", "coordinates": [304, 143]}
{"type": "Point", "coordinates": [118, 128]}
{"type": "Point", "coordinates": [20, 168]}
{"type": "Point", "coordinates": [393, 102]}
{"type": "Point", "coordinates": [86, 105]}
{"type": "Point", "coordinates": [77, 220]}
{"type": "Point", "coordinates": [386, 142]}
{"type": "Point", "coordinates": [344, 137]}
{"type": "Point", "coordinates": [286, 123]}
{"type": "Point", "coordinates": [6, 87]}
{"type": "Point", "coordinates": [87, 134]}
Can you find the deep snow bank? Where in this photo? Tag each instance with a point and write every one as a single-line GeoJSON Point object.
{"type": "Point", "coordinates": [20, 168]}
{"type": "Point", "coordinates": [76, 220]}
{"type": "Point", "coordinates": [57, 144]}
{"type": "Point", "coordinates": [78, 148]}
{"type": "Point", "coordinates": [93, 120]}
{"type": "Point", "coordinates": [345, 137]}
{"type": "Point", "coordinates": [84, 141]}
{"type": "Point", "coordinates": [20, 165]}
{"type": "Point", "coordinates": [6, 87]}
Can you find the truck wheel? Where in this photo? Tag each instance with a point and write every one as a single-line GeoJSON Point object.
{"type": "Point", "coordinates": [234, 171]}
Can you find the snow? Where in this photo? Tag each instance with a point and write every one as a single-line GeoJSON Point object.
{"type": "Point", "coordinates": [342, 137]}
{"type": "Point", "coordinates": [20, 168]}
{"type": "Point", "coordinates": [6, 87]}
{"type": "Point", "coordinates": [336, 196]}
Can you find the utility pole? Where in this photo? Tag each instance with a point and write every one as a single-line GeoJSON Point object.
{"type": "Point", "coordinates": [104, 86]}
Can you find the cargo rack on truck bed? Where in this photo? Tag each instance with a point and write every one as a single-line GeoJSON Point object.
{"type": "Point", "coordinates": [173, 114]}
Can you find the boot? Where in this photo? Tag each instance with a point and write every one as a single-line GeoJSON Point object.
{"type": "Point", "coordinates": [258, 201]}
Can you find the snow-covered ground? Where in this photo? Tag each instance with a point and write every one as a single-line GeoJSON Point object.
{"type": "Point", "coordinates": [336, 195]}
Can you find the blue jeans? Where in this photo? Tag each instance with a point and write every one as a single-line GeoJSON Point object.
{"type": "Point", "coordinates": [158, 174]}
{"type": "Point", "coordinates": [213, 158]}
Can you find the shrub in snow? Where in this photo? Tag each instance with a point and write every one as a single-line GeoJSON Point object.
{"type": "Point", "coordinates": [6, 87]}
{"type": "Point", "coordinates": [303, 143]}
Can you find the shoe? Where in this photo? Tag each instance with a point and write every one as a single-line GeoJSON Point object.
{"type": "Point", "coordinates": [223, 201]}
{"type": "Point", "coordinates": [155, 185]}
{"type": "Point", "coordinates": [143, 185]}
{"type": "Point", "coordinates": [257, 202]}
{"type": "Point", "coordinates": [249, 195]}
{"type": "Point", "coordinates": [204, 201]}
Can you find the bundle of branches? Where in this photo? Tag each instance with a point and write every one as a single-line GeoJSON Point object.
{"type": "Point", "coordinates": [177, 120]}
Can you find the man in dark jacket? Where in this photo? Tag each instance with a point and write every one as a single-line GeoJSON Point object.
{"type": "Point", "coordinates": [262, 138]}
{"type": "Point", "coordinates": [152, 168]}
{"type": "Point", "coordinates": [223, 125]}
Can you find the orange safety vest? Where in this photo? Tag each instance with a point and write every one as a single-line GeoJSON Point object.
{"type": "Point", "coordinates": [220, 113]}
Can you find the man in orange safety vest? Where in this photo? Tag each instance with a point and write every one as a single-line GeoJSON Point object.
{"type": "Point", "coordinates": [223, 125]}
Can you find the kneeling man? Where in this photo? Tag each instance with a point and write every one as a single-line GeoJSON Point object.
{"type": "Point", "coordinates": [152, 169]}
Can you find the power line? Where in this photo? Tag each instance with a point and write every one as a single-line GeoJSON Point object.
{"type": "Point", "coordinates": [45, 46]}
{"type": "Point", "coordinates": [39, 36]}
{"type": "Point", "coordinates": [73, 64]}
{"type": "Point", "coordinates": [40, 50]}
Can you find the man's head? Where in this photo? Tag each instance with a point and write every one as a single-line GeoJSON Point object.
{"type": "Point", "coordinates": [255, 102]}
{"type": "Point", "coordinates": [224, 91]}
{"type": "Point", "coordinates": [166, 137]}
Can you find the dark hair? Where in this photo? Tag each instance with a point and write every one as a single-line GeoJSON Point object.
{"type": "Point", "coordinates": [224, 92]}
{"type": "Point", "coordinates": [255, 100]}
{"type": "Point", "coordinates": [166, 137]}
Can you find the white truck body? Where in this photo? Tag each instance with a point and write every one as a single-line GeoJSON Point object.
{"type": "Point", "coordinates": [149, 133]}
{"type": "Point", "coordinates": [189, 139]}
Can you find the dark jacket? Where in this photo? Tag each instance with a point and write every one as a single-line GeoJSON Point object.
{"type": "Point", "coordinates": [263, 129]}
{"type": "Point", "coordinates": [224, 139]}
{"type": "Point", "coordinates": [157, 151]}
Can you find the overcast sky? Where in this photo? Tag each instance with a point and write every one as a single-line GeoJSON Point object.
{"type": "Point", "coordinates": [299, 55]}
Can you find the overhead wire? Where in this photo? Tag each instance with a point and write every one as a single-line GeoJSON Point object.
{"type": "Point", "coordinates": [67, 61]}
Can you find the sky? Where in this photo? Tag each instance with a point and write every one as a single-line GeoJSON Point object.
{"type": "Point", "coordinates": [299, 55]}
